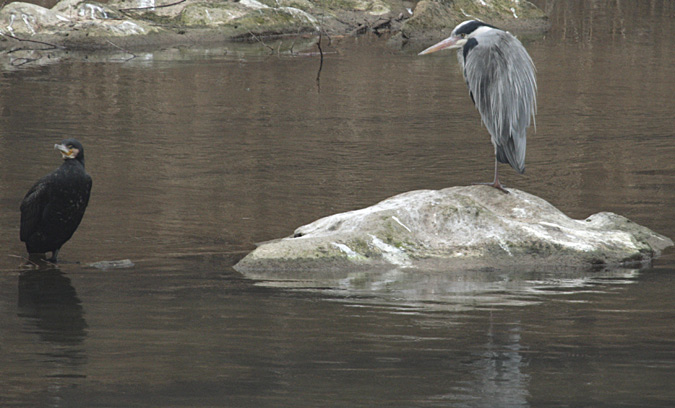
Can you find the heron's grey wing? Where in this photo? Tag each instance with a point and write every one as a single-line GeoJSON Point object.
{"type": "Point", "coordinates": [33, 207]}
{"type": "Point", "coordinates": [501, 77]}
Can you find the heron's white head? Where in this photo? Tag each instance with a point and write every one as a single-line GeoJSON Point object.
{"type": "Point", "coordinates": [460, 35]}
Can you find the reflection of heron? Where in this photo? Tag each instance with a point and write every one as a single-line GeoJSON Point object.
{"type": "Point", "coordinates": [501, 79]}
{"type": "Point", "coordinates": [52, 209]}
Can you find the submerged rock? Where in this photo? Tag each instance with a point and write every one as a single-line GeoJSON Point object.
{"type": "Point", "coordinates": [457, 228]}
{"type": "Point", "coordinates": [105, 265]}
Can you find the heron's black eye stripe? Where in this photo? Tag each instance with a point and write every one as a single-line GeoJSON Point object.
{"type": "Point", "coordinates": [472, 42]}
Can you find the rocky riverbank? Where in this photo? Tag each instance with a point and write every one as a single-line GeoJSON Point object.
{"type": "Point", "coordinates": [148, 24]}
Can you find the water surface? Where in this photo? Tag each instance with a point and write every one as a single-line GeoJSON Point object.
{"type": "Point", "coordinates": [196, 159]}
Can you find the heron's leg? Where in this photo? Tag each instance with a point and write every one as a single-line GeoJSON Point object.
{"type": "Point", "coordinates": [495, 183]}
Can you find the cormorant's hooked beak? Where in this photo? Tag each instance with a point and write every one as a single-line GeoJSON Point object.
{"type": "Point", "coordinates": [66, 152]}
{"type": "Point", "coordinates": [449, 43]}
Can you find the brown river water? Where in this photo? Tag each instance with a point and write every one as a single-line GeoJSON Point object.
{"type": "Point", "coordinates": [197, 155]}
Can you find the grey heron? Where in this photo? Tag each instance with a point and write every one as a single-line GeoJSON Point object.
{"type": "Point", "coordinates": [501, 78]}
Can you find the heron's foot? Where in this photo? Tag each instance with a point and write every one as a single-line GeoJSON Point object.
{"type": "Point", "coordinates": [495, 184]}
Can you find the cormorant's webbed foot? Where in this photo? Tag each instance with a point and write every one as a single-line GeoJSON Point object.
{"type": "Point", "coordinates": [53, 259]}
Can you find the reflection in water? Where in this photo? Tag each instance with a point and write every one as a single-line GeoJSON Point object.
{"type": "Point", "coordinates": [499, 378]}
{"type": "Point", "coordinates": [459, 291]}
{"type": "Point", "coordinates": [196, 159]}
{"type": "Point", "coordinates": [48, 301]}
{"type": "Point", "coordinates": [51, 309]}
{"type": "Point", "coordinates": [590, 22]}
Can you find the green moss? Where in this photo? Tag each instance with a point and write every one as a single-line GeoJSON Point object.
{"type": "Point", "coordinates": [161, 20]}
{"type": "Point", "coordinates": [395, 234]}
{"type": "Point", "coordinates": [373, 6]}
{"type": "Point", "coordinates": [304, 5]}
{"type": "Point", "coordinates": [271, 21]}
{"type": "Point", "coordinates": [238, 21]}
{"type": "Point", "coordinates": [336, 4]}
{"type": "Point", "coordinates": [361, 247]}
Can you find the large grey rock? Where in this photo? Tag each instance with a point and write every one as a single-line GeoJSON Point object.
{"type": "Point", "coordinates": [20, 18]}
{"type": "Point", "coordinates": [247, 16]}
{"type": "Point", "coordinates": [458, 228]}
{"type": "Point", "coordinates": [68, 16]}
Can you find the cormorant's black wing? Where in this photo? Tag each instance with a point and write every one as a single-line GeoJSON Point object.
{"type": "Point", "coordinates": [33, 207]}
{"type": "Point", "coordinates": [86, 199]}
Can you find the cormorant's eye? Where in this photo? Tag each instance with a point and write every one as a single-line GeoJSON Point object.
{"type": "Point", "coordinates": [463, 35]}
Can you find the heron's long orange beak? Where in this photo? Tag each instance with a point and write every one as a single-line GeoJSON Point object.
{"type": "Point", "coordinates": [448, 43]}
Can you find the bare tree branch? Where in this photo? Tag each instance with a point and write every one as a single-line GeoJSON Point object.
{"type": "Point", "coordinates": [151, 7]}
{"type": "Point", "coordinates": [32, 41]}
{"type": "Point", "coordinates": [22, 61]}
{"type": "Point", "coordinates": [261, 41]}
{"type": "Point", "coordinates": [318, 74]}
{"type": "Point", "coordinates": [123, 50]}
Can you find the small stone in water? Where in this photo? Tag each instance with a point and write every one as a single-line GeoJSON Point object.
{"type": "Point", "coordinates": [122, 264]}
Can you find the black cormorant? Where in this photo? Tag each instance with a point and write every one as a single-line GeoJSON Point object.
{"type": "Point", "coordinates": [53, 208]}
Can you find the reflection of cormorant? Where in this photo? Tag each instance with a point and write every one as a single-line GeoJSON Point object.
{"type": "Point", "coordinates": [53, 208]}
{"type": "Point", "coordinates": [47, 297]}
